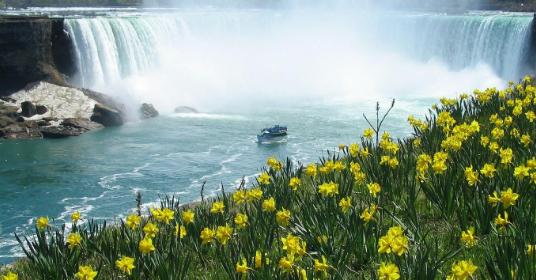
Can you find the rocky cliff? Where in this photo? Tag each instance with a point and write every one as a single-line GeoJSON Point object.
{"type": "Point", "coordinates": [33, 49]}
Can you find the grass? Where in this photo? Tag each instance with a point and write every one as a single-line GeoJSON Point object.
{"type": "Point", "coordinates": [422, 207]}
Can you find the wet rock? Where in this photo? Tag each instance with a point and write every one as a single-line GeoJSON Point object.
{"type": "Point", "coordinates": [148, 111]}
{"type": "Point", "coordinates": [61, 131]}
{"type": "Point", "coordinates": [41, 109]}
{"type": "Point", "coordinates": [81, 124]}
{"type": "Point", "coordinates": [28, 109]}
{"type": "Point", "coordinates": [186, 109]}
{"type": "Point", "coordinates": [8, 111]}
{"type": "Point", "coordinates": [106, 116]}
{"type": "Point", "coordinates": [43, 122]}
{"type": "Point", "coordinates": [5, 121]}
{"type": "Point", "coordinates": [20, 131]}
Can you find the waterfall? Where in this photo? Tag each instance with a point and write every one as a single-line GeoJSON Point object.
{"type": "Point", "coordinates": [112, 48]}
{"type": "Point", "coordinates": [500, 40]}
{"type": "Point", "coordinates": [108, 49]}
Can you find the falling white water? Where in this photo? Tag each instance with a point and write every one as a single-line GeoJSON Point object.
{"type": "Point", "coordinates": [222, 58]}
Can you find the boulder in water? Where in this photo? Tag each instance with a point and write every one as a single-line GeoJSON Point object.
{"type": "Point", "coordinates": [186, 109]}
{"type": "Point", "coordinates": [106, 116]}
{"type": "Point", "coordinates": [148, 111]}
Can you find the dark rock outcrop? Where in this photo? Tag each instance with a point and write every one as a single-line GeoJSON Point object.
{"type": "Point", "coordinates": [28, 109]}
{"type": "Point", "coordinates": [81, 123]}
{"type": "Point", "coordinates": [33, 49]}
{"type": "Point", "coordinates": [106, 115]}
{"type": "Point", "coordinates": [61, 131]}
{"type": "Point", "coordinates": [70, 127]}
{"type": "Point", "coordinates": [148, 111]}
{"type": "Point", "coordinates": [41, 109]}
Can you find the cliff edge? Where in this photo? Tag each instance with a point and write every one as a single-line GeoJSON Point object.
{"type": "Point", "coordinates": [33, 49]}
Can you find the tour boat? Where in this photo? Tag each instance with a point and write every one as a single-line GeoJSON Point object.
{"type": "Point", "coordinates": [272, 134]}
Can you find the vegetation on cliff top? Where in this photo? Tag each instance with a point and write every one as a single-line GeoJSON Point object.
{"type": "Point", "coordinates": [456, 200]}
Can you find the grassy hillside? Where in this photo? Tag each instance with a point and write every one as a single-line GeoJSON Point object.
{"type": "Point", "coordinates": [456, 200]}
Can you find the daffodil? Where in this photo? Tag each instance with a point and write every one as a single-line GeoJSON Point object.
{"type": "Point", "coordinates": [468, 237]}
{"type": "Point", "coordinates": [150, 230]}
{"type": "Point", "coordinates": [254, 194]}
{"type": "Point", "coordinates": [218, 207]}
{"type": "Point", "coordinates": [502, 220]}
{"type": "Point", "coordinates": [125, 265]}
{"type": "Point", "coordinates": [368, 133]}
{"type": "Point", "coordinates": [85, 272]}
{"type": "Point", "coordinates": [133, 221]}
{"type": "Point", "coordinates": [241, 220]}
{"type": "Point", "coordinates": [531, 249]}
{"type": "Point", "coordinates": [526, 140]}
{"type": "Point", "coordinates": [488, 170]}
{"type": "Point", "coordinates": [274, 163]}
{"type": "Point", "coordinates": [264, 178]}
{"type": "Point", "coordinates": [268, 205]}
{"type": "Point", "coordinates": [328, 189]}
{"type": "Point", "coordinates": [388, 271]}
{"type": "Point", "coordinates": [321, 265]}
{"type": "Point", "coordinates": [462, 270]}
{"type": "Point", "coordinates": [42, 223]}
{"type": "Point", "coordinates": [242, 267]}
{"type": "Point", "coordinates": [10, 276]}
{"type": "Point", "coordinates": [521, 172]}
{"type": "Point", "coordinates": [74, 240]}
{"type": "Point", "coordinates": [293, 245]}
{"type": "Point", "coordinates": [240, 196]}
{"type": "Point", "coordinates": [311, 170]}
{"type": "Point", "coordinates": [439, 164]}
{"type": "Point", "coordinates": [494, 199]}
{"type": "Point", "coordinates": [353, 149]}
{"type": "Point", "coordinates": [368, 214]}
{"type": "Point", "coordinates": [393, 242]}
{"type": "Point", "coordinates": [345, 204]}
{"type": "Point", "coordinates": [294, 183]}
{"type": "Point", "coordinates": [282, 217]}
{"type": "Point", "coordinates": [224, 234]}
{"type": "Point", "coordinates": [471, 176]}
{"type": "Point", "coordinates": [188, 216]}
{"type": "Point", "coordinates": [258, 259]}
{"type": "Point", "coordinates": [374, 189]}
{"type": "Point", "coordinates": [180, 231]}
{"type": "Point", "coordinates": [506, 155]}
{"type": "Point", "coordinates": [509, 198]}
{"type": "Point", "coordinates": [286, 263]}
{"type": "Point", "coordinates": [164, 215]}
{"type": "Point", "coordinates": [75, 217]}
{"type": "Point", "coordinates": [207, 236]}
{"type": "Point", "coordinates": [146, 245]}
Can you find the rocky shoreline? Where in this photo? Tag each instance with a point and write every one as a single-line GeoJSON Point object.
{"type": "Point", "coordinates": [46, 110]}
{"type": "Point", "coordinates": [36, 101]}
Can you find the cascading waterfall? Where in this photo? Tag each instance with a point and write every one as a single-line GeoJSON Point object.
{"type": "Point", "coordinates": [108, 49]}
{"type": "Point", "coordinates": [499, 40]}
{"type": "Point", "coordinates": [112, 48]}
